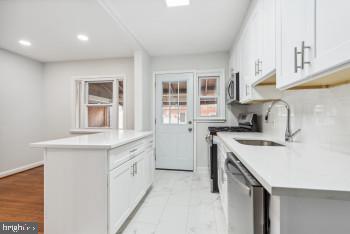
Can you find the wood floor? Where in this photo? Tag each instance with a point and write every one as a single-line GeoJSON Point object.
{"type": "Point", "coordinates": [22, 197]}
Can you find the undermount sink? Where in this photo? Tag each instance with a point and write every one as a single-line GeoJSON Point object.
{"type": "Point", "coordinates": [258, 142]}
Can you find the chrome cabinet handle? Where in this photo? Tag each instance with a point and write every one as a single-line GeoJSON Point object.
{"type": "Point", "coordinates": [259, 66]}
{"type": "Point", "coordinates": [255, 70]}
{"type": "Point", "coordinates": [135, 168]}
{"type": "Point", "coordinates": [132, 170]}
{"type": "Point", "coordinates": [296, 66]}
{"type": "Point", "coordinates": [303, 48]}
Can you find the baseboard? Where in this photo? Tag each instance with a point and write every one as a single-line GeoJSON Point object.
{"type": "Point", "coordinates": [21, 169]}
{"type": "Point", "coordinates": [202, 170]}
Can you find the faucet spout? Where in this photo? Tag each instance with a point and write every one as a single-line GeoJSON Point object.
{"type": "Point", "coordinates": [288, 134]}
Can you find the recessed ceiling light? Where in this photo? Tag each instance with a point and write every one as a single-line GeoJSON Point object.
{"type": "Point", "coordinates": [177, 3]}
{"type": "Point", "coordinates": [82, 37]}
{"type": "Point", "coordinates": [25, 43]}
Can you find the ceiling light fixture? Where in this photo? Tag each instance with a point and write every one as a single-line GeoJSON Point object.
{"type": "Point", "coordinates": [177, 3]}
{"type": "Point", "coordinates": [82, 37]}
{"type": "Point", "coordinates": [25, 43]}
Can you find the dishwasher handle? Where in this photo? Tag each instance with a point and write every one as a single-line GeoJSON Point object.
{"type": "Point", "coordinates": [231, 175]}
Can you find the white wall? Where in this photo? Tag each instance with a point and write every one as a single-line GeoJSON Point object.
{"type": "Point", "coordinates": [200, 62]}
{"type": "Point", "coordinates": [21, 120]}
{"type": "Point", "coordinates": [323, 116]}
{"type": "Point", "coordinates": [143, 91]}
{"type": "Point", "coordinates": [58, 93]}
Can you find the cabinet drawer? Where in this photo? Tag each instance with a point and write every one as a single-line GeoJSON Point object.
{"type": "Point", "coordinates": [122, 154]}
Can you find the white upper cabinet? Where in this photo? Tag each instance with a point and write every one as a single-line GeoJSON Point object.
{"type": "Point", "coordinates": [255, 28]}
{"type": "Point", "coordinates": [268, 63]}
{"type": "Point", "coordinates": [295, 41]}
{"type": "Point", "coordinates": [313, 42]}
{"type": "Point", "coordinates": [332, 34]}
{"type": "Point", "coordinates": [254, 54]}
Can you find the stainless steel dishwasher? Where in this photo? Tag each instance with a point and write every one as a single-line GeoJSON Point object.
{"type": "Point", "coordinates": [246, 200]}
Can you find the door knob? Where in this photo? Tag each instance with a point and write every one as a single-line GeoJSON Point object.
{"type": "Point", "coordinates": [190, 129]}
{"type": "Point", "coordinates": [190, 122]}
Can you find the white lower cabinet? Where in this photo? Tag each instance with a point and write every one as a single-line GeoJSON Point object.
{"type": "Point", "coordinates": [120, 180]}
{"type": "Point", "coordinates": [128, 183]}
{"type": "Point", "coordinates": [222, 177]}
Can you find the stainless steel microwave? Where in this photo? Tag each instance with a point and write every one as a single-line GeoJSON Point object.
{"type": "Point", "coordinates": [232, 91]}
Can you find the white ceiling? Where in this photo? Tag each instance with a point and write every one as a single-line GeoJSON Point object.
{"type": "Point", "coordinates": [117, 28]}
{"type": "Point", "coordinates": [52, 27]}
{"type": "Point", "coordinates": [204, 26]}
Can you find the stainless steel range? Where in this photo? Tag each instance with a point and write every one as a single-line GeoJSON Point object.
{"type": "Point", "coordinates": [248, 122]}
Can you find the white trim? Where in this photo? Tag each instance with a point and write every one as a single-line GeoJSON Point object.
{"type": "Point", "coordinates": [21, 169]}
{"type": "Point", "coordinates": [202, 170]}
{"type": "Point", "coordinates": [194, 144]}
{"type": "Point", "coordinates": [122, 77]}
{"type": "Point", "coordinates": [221, 117]}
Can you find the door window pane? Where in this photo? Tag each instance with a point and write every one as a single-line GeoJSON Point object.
{"type": "Point", "coordinates": [208, 86]}
{"type": "Point", "coordinates": [182, 102]}
{"type": "Point", "coordinates": [208, 107]}
{"type": "Point", "coordinates": [165, 103]}
{"type": "Point", "coordinates": [174, 100]}
{"type": "Point", "coordinates": [99, 116]}
{"type": "Point", "coordinates": [100, 92]}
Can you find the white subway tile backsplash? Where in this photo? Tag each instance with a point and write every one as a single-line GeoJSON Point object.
{"type": "Point", "coordinates": [322, 114]}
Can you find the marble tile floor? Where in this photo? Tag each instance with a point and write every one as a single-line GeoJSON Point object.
{"type": "Point", "coordinates": [178, 203]}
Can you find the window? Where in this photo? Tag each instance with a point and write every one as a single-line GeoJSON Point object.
{"type": "Point", "coordinates": [210, 96]}
{"type": "Point", "coordinates": [99, 103]}
{"type": "Point", "coordinates": [174, 100]}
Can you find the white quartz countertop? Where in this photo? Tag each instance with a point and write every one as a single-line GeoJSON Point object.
{"type": "Point", "coordinates": [294, 170]}
{"type": "Point", "coordinates": [104, 140]}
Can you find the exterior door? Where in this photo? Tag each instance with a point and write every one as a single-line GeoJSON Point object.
{"type": "Point", "coordinates": [174, 121]}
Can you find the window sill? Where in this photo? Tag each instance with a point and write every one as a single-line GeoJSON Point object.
{"type": "Point", "coordinates": [90, 130]}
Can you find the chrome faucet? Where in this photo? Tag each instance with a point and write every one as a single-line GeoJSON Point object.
{"type": "Point", "coordinates": [289, 136]}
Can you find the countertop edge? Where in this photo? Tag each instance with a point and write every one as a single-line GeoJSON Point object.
{"type": "Point", "coordinates": [289, 191]}
{"type": "Point", "coordinates": [47, 145]}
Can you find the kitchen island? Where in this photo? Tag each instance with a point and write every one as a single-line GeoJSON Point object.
{"type": "Point", "coordinates": [93, 182]}
{"type": "Point", "coordinates": [309, 186]}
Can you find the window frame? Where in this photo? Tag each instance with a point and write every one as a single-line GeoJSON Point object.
{"type": "Point", "coordinates": [220, 95]}
{"type": "Point", "coordinates": [80, 105]}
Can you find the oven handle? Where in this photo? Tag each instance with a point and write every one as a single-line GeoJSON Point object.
{"type": "Point", "coordinates": [245, 188]}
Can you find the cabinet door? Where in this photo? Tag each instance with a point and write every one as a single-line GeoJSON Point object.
{"type": "Point", "coordinates": [268, 64]}
{"type": "Point", "coordinates": [120, 181]}
{"type": "Point", "coordinates": [139, 179]}
{"type": "Point", "coordinates": [256, 40]}
{"type": "Point", "coordinates": [332, 34]}
{"type": "Point", "coordinates": [149, 168]}
{"type": "Point", "coordinates": [295, 19]}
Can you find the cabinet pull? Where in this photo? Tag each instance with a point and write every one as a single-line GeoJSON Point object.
{"type": "Point", "coordinates": [303, 48]}
{"type": "Point", "coordinates": [296, 66]}
{"type": "Point", "coordinates": [259, 66]}
{"type": "Point", "coordinates": [132, 170]}
{"type": "Point", "coordinates": [136, 168]}
{"type": "Point", "coordinates": [255, 70]}
{"type": "Point", "coordinates": [132, 151]}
